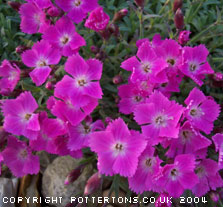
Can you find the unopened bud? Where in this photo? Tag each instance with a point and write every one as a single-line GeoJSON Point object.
{"type": "Point", "coordinates": [14, 5]}
{"type": "Point", "coordinates": [218, 76]}
{"type": "Point", "coordinates": [214, 196]}
{"type": "Point", "coordinates": [113, 29]}
{"type": "Point", "coordinates": [21, 48]}
{"type": "Point", "coordinates": [94, 49]}
{"type": "Point", "coordinates": [73, 175]}
{"type": "Point", "coordinates": [49, 85]}
{"type": "Point", "coordinates": [108, 120]}
{"type": "Point", "coordinates": [117, 79]}
{"type": "Point", "coordinates": [140, 3]}
{"type": "Point", "coordinates": [93, 184]}
{"type": "Point", "coordinates": [177, 4]}
{"type": "Point", "coordinates": [179, 19]}
{"type": "Point", "coordinates": [184, 37]}
{"type": "Point", "coordinates": [120, 14]}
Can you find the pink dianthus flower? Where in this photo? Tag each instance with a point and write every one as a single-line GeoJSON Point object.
{"type": "Point", "coordinates": [209, 178]}
{"type": "Point", "coordinates": [158, 117]}
{"type": "Point", "coordinates": [19, 158]}
{"type": "Point", "coordinates": [33, 19]}
{"type": "Point", "coordinates": [177, 177]}
{"type": "Point", "coordinates": [10, 75]}
{"type": "Point", "coordinates": [20, 118]}
{"type": "Point", "coordinates": [41, 56]}
{"type": "Point", "coordinates": [118, 149]}
{"type": "Point", "coordinates": [77, 9]}
{"type": "Point", "coordinates": [63, 36]}
{"type": "Point", "coordinates": [194, 63]}
{"type": "Point", "coordinates": [201, 111]}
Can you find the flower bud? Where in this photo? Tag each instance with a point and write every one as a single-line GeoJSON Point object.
{"type": "Point", "coordinates": [214, 196]}
{"type": "Point", "coordinates": [117, 79]}
{"type": "Point", "coordinates": [120, 14]}
{"type": "Point", "coordinates": [21, 48]}
{"type": "Point", "coordinates": [184, 37]}
{"type": "Point", "coordinates": [14, 5]}
{"type": "Point", "coordinates": [108, 120]}
{"type": "Point", "coordinates": [140, 3]}
{"type": "Point", "coordinates": [177, 4]}
{"type": "Point", "coordinates": [179, 19]}
{"type": "Point", "coordinates": [93, 184]}
{"type": "Point", "coordinates": [94, 49]}
{"type": "Point", "coordinates": [73, 175]}
{"type": "Point", "coordinates": [49, 85]}
{"type": "Point", "coordinates": [218, 76]}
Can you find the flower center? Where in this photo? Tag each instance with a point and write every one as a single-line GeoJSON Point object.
{"type": "Point", "coordinates": [23, 153]}
{"type": "Point", "coordinates": [82, 82]}
{"type": "Point", "coordinates": [42, 63]}
{"type": "Point", "coordinates": [163, 85]}
{"type": "Point", "coordinates": [160, 120]}
{"type": "Point", "coordinates": [193, 67]}
{"type": "Point", "coordinates": [148, 162]}
{"type": "Point", "coordinates": [174, 173]}
{"type": "Point", "coordinates": [119, 147]}
{"type": "Point", "coordinates": [200, 171]}
{"type": "Point", "coordinates": [28, 116]}
{"type": "Point", "coordinates": [87, 129]}
{"type": "Point", "coordinates": [146, 67]}
{"type": "Point", "coordinates": [65, 39]}
{"type": "Point", "coordinates": [138, 98]}
{"type": "Point", "coordinates": [193, 112]}
{"type": "Point", "coordinates": [171, 62]}
{"type": "Point", "coordinates": [77, 3]}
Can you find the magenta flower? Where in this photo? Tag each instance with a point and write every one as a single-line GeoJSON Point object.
{"type": "Point", "coordinates": [63, 36]}
{"type": "Point", "coordinates": [170, 51]}
{"type": "Point", "coordinates": [184, 37]}
{"type": "Point", "coordinates": [159, 117]}
{"type": "Point", "coordinates": [195, 63]}
{"type": "Point", "coordinates": [149, 67]}
{"type": "Point", "coordinates": [218, 141]}
{"type": "Point", "coordinates": [10, 75]}
{"type": "Point", "coordinates": [60, 146]}
{"type": "Point", "coordinates": [49, 129]}
{"type": "Point", "coordinates": [201, 111]}
{"type": "Point", "coordinates": [209, 178]}
{"type": "Point", "coordinates": [84, 81]}
{"type": "Point", "coordinates": [20, 118]}
{"type": "Point", "coordinates": [177, 177]}
{"type": "Point", "coordinates": [18, 157]}
{"type": "Point", "coordinates": [97, 20]}
{"type": "Point", "coordinates": [133, 94]}
{"type": "Point", "coordinates": [42, 4]}
{"type": "Point", "coordinates": [80, 134]}
{"type": "Point", "coordinates": [148, 166]}
{"type": "Point", "coordinates": [73, 110]}
{"type": "Point", "coordinates": [41, 56]}
{"type": "Point", "coordinates": [33, 19]}
{"type": "Point", "coordinates": [188, 142]}
{"type": "Point", "coordinates": [118, 149]}
{"type": "Point", "coordinates": [77, 9]}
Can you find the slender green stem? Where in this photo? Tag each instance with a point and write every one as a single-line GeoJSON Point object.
{"type": "Point", "coordinates": [140, 15]}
